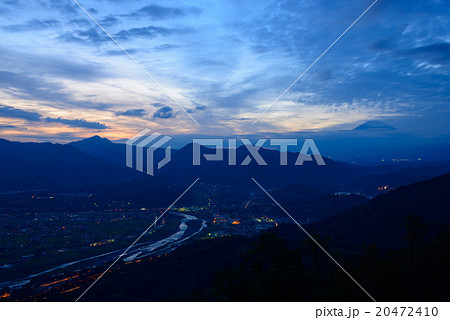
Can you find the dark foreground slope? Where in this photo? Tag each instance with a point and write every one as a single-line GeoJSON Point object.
{"type": "Point", "coordinates": [269, 269]}
{"type": "Point", "coordinates": [424, 206]}
{"type": "Point", "coordinates": [283, 265]}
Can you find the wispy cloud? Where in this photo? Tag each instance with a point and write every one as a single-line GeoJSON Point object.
{"type": "Point", "coordinates": [87, 36]}
{"type": "Point", "coordinates": [437, 53]}
{"type": "Point", "coordinates": [7, 126]}
{"type": "Point", "coordinates": [149, 32]}
{"type": "Point", "coordinates": [197, 109]}
{"type": "Point", "coordinates": [109, 21]}
{"type": "Point", "coordinates": [78, 123]}
{"type": "Point", "coordinates": [32, 116]}
{"type": "Point", "coordinates": [32, 25]}
{"type": "Point", "coordinates": [157, 12]}
{"type": "Point", "coordinates": [11, 112]}
{"type": "Point", "coordinates": [235, 57]}
{"type": "Point", "coordinates": [132, 113]}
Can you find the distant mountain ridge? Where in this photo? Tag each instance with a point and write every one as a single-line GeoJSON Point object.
{"type": "Point", "coordinates": [181, 168]}
{"type": "Point", "coordinates": [102, 148]}
{"type": "Point", "coordinates": [374, 125]}
{"type": "Point", "coordinates": [26, 166]}
{"type": "Point", "coordinates": [273, 174]}
{"type": "Point", "coordinates": [98, 160]}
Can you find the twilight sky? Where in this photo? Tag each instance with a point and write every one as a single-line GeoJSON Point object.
{"type": "Point", "coordinates": [62, 78]}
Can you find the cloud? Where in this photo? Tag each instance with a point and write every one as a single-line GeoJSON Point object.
{"type": "Point", "coordinates": [64, 7]}
{"type": "Point", "coordinates": [164, 112]}
{"type": "Point", "coordinates": [238, 58]}
{"type": "Point", "coordinates": [89, 36]}
{"type": "Point", "coordinates": [109, 21]}
{"type": "Point", "coordinates": [132, 113]}
{"type": "Point", "coordinates": [196, 109]}
{"type": "Point", "coordinates": [78, 123]}
{"type": "Point", "coordinates": [148, 32]}
{"type": "Point", "coordinates": [119, 52]}
{"type": "Point", "coordinates": [94, 36]}
{"type": "Point", "coordinates": [156, 12]}
{"type": "Point", "coordinates": [165, 47]}
{"type": "Point", "coordinates": [390, 42]}
{"type": "Point", "coordinates": [32, 25]}
{"type": "Point", "coordinates": [14, 113]}
{"type": "Point", "coordinates": [9, 127]}
{"type": "Point", "coordinates": [438, 53]}
{"type": "Point", "coordinates": [11, 112]}
{"type": "Point", "coordinates": [325, 75]}
{"type": "Point", "coordinates": [33, 88]}
{"type": "Point", "coordinates": [82, 22]}
{"type": "Point", "coordinates": [48, 63]}
{"type": "Point", "coordinates": [158, 105]}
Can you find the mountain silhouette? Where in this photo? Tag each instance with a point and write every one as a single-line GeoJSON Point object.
{"type": "Point", "coordinates": [102, 148]}
{"type": "Point", "coordinates": [181, 168]}
{"type": "Point", "coordinates": [27, 166]}
{"type": "Point", "coordinates": [375, 125]}
{"type": "Point", "coordinates": [273, 174]}
{"type": "Point", "coordinates": [382, 221]}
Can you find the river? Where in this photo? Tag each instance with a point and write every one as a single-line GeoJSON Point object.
{"type": "Point", "coordinates": [138, 251]}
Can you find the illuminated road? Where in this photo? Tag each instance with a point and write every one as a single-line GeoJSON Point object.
{"type": "Point", "coordinates": [138, 251]}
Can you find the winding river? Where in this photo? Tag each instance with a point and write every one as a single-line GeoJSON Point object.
{"type": "Point", "coordinates": [138, 251]}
